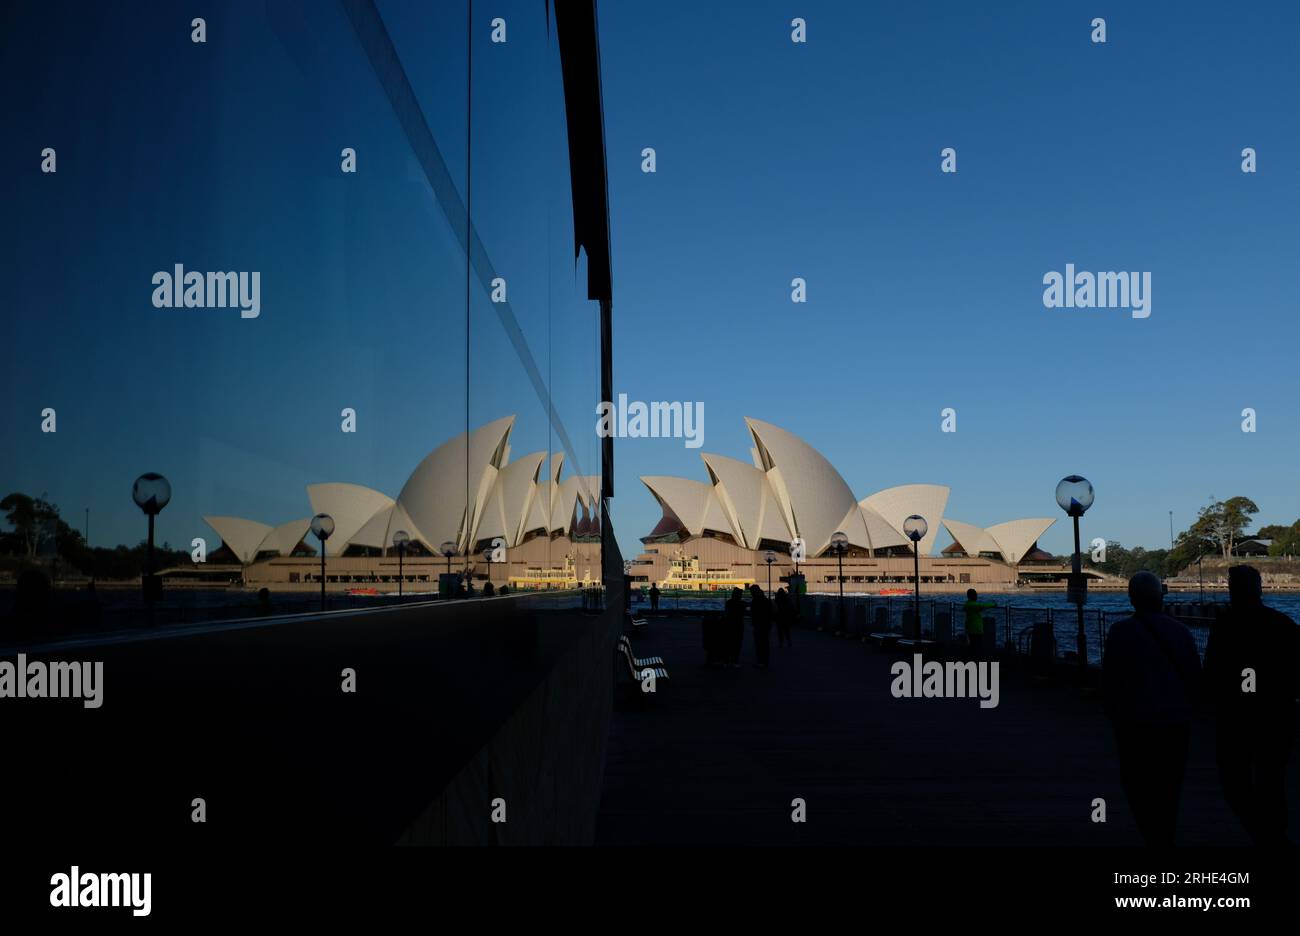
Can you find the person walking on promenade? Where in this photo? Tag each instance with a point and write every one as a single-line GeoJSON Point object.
{"type": "Point", "coordinates": [1252, 673]}
{"type": "Point", "coordinates": [654, 597]}
{"type": "Point", "coordinates": [975, 622]}
{"type": "Point", "coordinates": [784, 617]}
{"type": "Point", "coordinates": [760, 610]}
{"type": "Point", "coordinates": [733, 630]}
{"type": "Point", "coordinates": [1149, 676]}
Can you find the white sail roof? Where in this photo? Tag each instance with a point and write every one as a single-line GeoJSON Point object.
{"type": "Point", "coordinates": [1017, 537]}
{"type": "Point", "coordinates": [243, 537]}
{"type": "Point", "coordinates": [285, 537]}
{"type": "Point", "coordinates": [972, 539]}
{"type": "Point", "coordinates": [434, 496]}
{"type": "Point", "coordinates": [350, 505]}
{"type": "Point", "coordinates": [896, 504]}
{"type": "Point", "coordinates": [687, 500]}
{"type": "Point", "coordinates": [813, 496]}
{"type": "Point", "coordinates": [511, 496]}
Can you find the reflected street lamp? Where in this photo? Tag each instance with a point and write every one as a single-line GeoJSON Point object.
{"type": "Point", "coordinates": [448, 549]}
{"type": "Point", "coordinates": [769, 558]}
{"type": "Point", "coordinates": [840, 543]}
{"type": "Point", "coordinates": [151, 493]}
{"type": "Point", "coordinates": [322, 525]}
{"type": "Point", "coordinates": [915, 528]}
{"type": "Point", "coordinates": [1074, 494]}
{"type": "Point", "coordinates": [400, 539]}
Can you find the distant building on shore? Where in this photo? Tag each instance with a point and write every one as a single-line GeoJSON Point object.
{"type": "Point", "coordinates": [715, 534]}
{"type": "Point", "coordinates": [467, 492]}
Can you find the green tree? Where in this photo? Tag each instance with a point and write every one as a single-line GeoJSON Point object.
{"type": "Point", "coordinates": [1218, 527]}
{"type": "Point", "coordinates": [1286, 539]}
{"type": "Point", "coordinates": [1237, 512]}
{"type": "Point", "coordinates": [22, 514]}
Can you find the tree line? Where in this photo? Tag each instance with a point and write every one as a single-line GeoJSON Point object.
{"type": "Point", "coordinates": [1219, 528]}
{"type": "Point", "coordinates": [39, 536]}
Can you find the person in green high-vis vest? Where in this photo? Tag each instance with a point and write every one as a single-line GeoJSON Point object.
{"type": "Point", "coordinates": [975, 621]}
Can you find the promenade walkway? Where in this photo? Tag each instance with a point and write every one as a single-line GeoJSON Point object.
{"type": "Point", "coordinates": [718, 756]}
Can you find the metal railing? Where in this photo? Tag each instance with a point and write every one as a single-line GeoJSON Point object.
{"type": "Point", "coordinates": [1009, 628]}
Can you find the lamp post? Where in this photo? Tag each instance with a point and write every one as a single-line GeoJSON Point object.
{"type": "Point", "coordinates": [400, 539]}
{"type": "Point", "coordinates": [769, 558]}
{"type": "Point", "coordinates": [915, 528]}
{"type": "Point", "coordinates": [487, 557]}
{"type": "Point", "coordinates": [1074, 495]}
{"type": "Point", "coordinates": [322, 525]}
{"type": "Point", "coordinates": [840, 543]}
{"type": "Point", "coordinates": [1199, 580]}
{"type": "Point", "coordinates": [151, 493]}
{"type": "Point", "coordinates": [448, 549]}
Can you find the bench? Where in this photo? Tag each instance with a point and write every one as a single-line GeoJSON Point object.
{"type": "Point", "coordinates": [884, 638]}
{"type": "Point", "coordinates": [637, 673]}
{"type": "Point", "coordinates": [626, 646]}
{"type": "Point", "coordinates": [634, 622]}
{"type": "Point", "coordinates": [910, 643]}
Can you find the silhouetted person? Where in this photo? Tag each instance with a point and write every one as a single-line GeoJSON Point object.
{"type": "Point", "coordinates": [760, 610]}
{"type": "Point", "coordinates": [264, 601]}
{"type": "Point", "coordinates": [975, 621]}
{"type": "Point", "coordinates": [1252, 672]}
{"type": "Point", "coordinates": [784, 617]}
{"type": "Point", "coordinates": [1149, 677]}
{"type": "Point", "coordinates": [489, 590]}
{"type": "Point", "coordinates": [734, 626]}
{"type": "Point", "coordinates": [654, 597]}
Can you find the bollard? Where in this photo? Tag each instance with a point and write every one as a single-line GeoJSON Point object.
{"type": "Point", "coordinates": [943, 626]}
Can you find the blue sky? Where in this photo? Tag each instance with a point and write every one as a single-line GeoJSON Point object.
{"type": "Point", "coordinates": [822, 160]}
{"type": "Point", "coordinates": [775, 160]}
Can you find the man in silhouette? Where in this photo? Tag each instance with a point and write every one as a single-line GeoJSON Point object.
{"type": "Point", "coordinates": [654, 597]}
{"type": "Point", "coordinates": [784, 617]}
{"type": "Point", "coordinates": [760, 610]}
{"type": "Point", "coordinates": [1252, 672]}
{"type": "Point", "coordinates": [1149, 677]}
{"type": "Point", "coordinates": [735, 626]}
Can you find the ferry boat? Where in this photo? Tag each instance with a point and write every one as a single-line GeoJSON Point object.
{"type": "Point", "coordinates": [685, 575]}
{"type": "Point", "coordinates": [896, 591]}
{"type": "Point", "coordinates": [535, 578]}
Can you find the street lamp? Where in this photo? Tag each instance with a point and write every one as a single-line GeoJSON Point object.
{"type": "Point", "coordinates": [448, 549]}
{"type": "Point", "coordinates": [1074, 494]}
{"type": "Point", "coordinates": [769, 558]}
{"type": "Point", "coordinates": [487, 557]}
{"type": "Point", "coordinates": [322, 525]}
{"type": "Point", "coordinates": [151, 492]}
{"type": "Point", "coordinates": [840, 543]}
{"type": "Point", "coordinates": [915, 528]}
{"type": "Point", "coordinates": [400, 539]}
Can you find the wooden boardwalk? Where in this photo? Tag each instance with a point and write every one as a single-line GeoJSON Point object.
{"type": "Point", "coordinates": [718, 756]}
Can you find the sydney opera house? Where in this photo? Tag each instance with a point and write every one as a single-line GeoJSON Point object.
{"type": "Point", "coordinates": [717, 533]}
{"type": "Point", "coordinates": [510, 522]}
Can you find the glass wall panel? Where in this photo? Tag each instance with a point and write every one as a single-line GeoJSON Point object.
{"type": "Point", "coordinates": [242, 268]}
